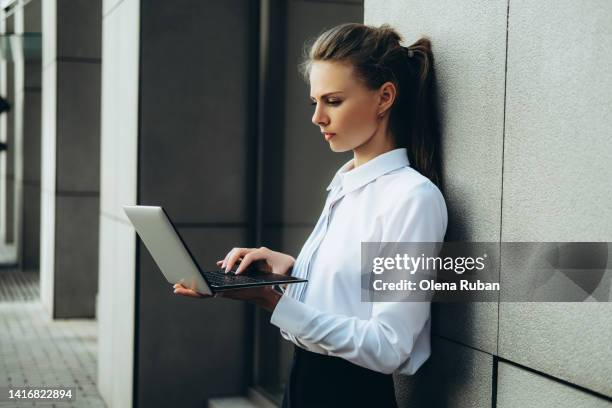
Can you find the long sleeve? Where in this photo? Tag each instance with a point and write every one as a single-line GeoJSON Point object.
{"type": "Point", "coordinates": [386, 340]}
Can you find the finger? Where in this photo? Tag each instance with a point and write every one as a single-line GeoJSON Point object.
{"type": "Point", "coordinates": [228, 256]}
{"type": "Point", "coordinates": [238, 253]}
{"type": "Point", "coordinates": [220, 263]}
{"type": "Point", "coordinates": [179, 287]}
{"type": "Point", "coordinates": [187, 292]}
{"type": "Point", "coordinates": [249, 259]}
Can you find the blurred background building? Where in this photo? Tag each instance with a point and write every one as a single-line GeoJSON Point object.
{"type": "Point", "coordinates": [198, 106]}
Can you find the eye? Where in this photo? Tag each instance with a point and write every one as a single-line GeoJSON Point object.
{"type": "Point", "coordinates": [332, 102]}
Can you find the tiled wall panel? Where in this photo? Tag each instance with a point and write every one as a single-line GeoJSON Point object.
{"type": "Point", "coordinates": [517, 387]}
{"type": "Point", "coordinates": [557, 176]}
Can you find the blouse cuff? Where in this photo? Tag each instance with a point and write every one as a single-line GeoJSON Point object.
{"type": "Point", "coordinates": [290, 315]}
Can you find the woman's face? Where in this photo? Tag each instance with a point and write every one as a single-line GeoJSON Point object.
{"type": "Point", "coordinates": [345, 109]}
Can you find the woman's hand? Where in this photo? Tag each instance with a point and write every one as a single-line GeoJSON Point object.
{"type": "Point", "coordinates": [264, 296]}
{"type": "Point", "coordinates": [179, 289]}
{"type": "Point", "coordinates": [261, 258]}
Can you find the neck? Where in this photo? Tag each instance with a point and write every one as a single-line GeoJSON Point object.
{"type": "Point", "coordinates": [378, 144]}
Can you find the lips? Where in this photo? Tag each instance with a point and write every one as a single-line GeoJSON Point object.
{"type": "Point", "coordinates": [328, 135]}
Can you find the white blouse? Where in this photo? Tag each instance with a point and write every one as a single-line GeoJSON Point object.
{"type": "Point", "coordinates": [383, 200]}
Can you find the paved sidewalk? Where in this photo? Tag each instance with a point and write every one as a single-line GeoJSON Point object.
{"type": "Point", "coordinates": [18, 286]}
{"type": "Point", "coordinates": [37, 352]}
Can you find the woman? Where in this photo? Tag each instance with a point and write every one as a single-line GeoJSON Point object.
{"type": "Point", "coordinates": [377, 98]}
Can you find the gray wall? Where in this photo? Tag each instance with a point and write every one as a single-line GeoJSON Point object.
{"type": "Point", "coordinates": [526, 158]}
{"type": "Point", "coordinates": [71, 151]}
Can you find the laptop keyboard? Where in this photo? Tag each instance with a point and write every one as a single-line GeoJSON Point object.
{"type": "Point", "coordinates": [220, 278]}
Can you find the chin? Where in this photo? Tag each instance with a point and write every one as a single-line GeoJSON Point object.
{"type": "Point", "coordinates": [337, 148]}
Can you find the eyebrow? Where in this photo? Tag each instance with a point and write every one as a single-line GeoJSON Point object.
{"type": "Point", "coordinates": [327, 94]}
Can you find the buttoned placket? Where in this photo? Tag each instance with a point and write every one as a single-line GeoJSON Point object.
{"type": "Point", "coordinates": [325, 222]}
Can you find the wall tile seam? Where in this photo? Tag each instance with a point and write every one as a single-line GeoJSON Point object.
{"type": "Point", "coordinates": [345, 2]}
{"type": "Point", "coordinates": [19, 180]}
{"type": "Point", "coordinates": [457, 342]}
{"type": "Point", "coordinates": [77, 193]}
{"type": "Point", "coordinates": [78, 60]}
{"type": "Point", "coordinates": [205, 224]}
{"type": "Point", "coordinates": [501, 197]}
{"type": "Point", "coordinates": [31, 182]}
{"type": "Point", "coordinates": [26, 34]}
{"type": "Point", "coordinates": [21, 92]}
{"type": "Point", "coordinates": [494, 381]}
{"type": "Point", "coordinates": [556, 379]}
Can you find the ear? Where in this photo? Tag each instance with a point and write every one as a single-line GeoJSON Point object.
{"type": "Point", "coordinates": [386, 96]}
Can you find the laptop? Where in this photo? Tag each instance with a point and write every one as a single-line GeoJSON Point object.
{"type": "Point", "coordinates": [178, 265]}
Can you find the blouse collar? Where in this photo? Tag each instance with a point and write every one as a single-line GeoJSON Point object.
{"type": "Point", "coordinates": [353, 178]}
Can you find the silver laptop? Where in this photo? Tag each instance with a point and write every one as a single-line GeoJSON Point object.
{"type": "Point", "coordinates": [178, 265]}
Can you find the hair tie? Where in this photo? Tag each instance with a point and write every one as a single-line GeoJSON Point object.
{"type": "Point", "coordinates": [410, 52]}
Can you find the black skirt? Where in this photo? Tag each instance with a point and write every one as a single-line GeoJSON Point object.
{"type": "Point", "coordinates": [323, 381]}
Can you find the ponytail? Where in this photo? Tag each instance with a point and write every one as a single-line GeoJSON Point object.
{"type": "Point", "coordinates": [415, 119]}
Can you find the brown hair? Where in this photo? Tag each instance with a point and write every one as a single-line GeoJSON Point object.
{"type": "Point", "coordinates": [377, 57]}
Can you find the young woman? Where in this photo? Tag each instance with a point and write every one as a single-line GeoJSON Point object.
{"type": "Point", "coordinates": [377, 98]}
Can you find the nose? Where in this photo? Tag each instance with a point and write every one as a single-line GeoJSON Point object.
{"type": "Point", "coordinates": [320, 118]}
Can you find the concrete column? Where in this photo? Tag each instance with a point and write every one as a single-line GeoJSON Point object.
{"type": "Point", "coordinates": [70, 157]}
{"type": "Point", "coordinates": [16, 156]}
{"type": "Point", "coordinates": [31, 127]}
{"type": "Point", "coordinates": [3, 138]}
{"type": "Point", "coordinates": [9, 217]}
{"type": "Point", "coordinates": [118, 181]}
